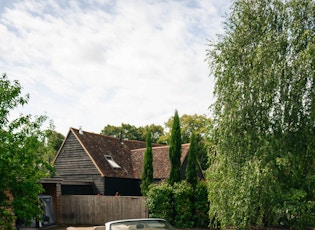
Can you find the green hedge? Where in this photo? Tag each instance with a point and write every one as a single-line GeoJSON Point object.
{"type": "Point", "coordinates": [160, 202]}
{"type": "Point", "coordinates": [180, 204]}
{"type": "Point", "coordinates": [202, 205]}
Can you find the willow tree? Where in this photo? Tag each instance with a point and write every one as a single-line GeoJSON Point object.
{"type": "Point", "coordinates": [264, 66]}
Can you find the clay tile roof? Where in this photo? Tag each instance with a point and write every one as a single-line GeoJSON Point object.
{"type": "Point", "coordinates": [98, 145]}
{"type": "Point", "coordinates": [161, 162]}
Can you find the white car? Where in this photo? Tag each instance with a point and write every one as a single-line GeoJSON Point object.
{"type": "Point", "coordinates": [141, 224]}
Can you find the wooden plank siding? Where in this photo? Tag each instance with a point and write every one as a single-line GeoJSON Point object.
{"type": "Point", "coordinates": [73, 160]}
{"type": "Point", "coordinates": [74, 164]}
{"type": "Point", "coordinates": [96, 210]}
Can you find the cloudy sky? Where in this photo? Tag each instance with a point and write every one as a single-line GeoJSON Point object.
{"type": "Point", "coordinates": [93, 63]}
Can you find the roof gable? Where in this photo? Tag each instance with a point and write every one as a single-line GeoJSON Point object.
{"type": "Point", "coordinates": [72, 159]}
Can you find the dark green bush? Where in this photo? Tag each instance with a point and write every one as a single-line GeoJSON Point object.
{"type": "Point", "coordinates": [160, 202]}
{"type": "Point", "coordinates": [201, 217]}
{"type": "Point", "coordinates": [180, 204]}
{"type": "Point", "coordinates": [183, 194]}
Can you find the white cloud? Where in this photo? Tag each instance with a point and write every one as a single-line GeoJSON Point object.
{"type": "Point", "coordinates": [110, 62]}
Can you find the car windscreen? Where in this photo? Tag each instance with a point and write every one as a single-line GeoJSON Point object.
{"type": "Point", "coordinates": [141, 225]}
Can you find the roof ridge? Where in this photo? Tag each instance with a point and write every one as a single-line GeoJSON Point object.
{"type": "Point", "coordinates": [159, 147]}
{"type": "Point", "coordinates": [103, 135]}
{"type": "Point", "coordinates": [99, 134]}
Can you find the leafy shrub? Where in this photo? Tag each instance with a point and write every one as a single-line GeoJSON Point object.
{"type": "Point", "coordinates": [160, 202]}
{"type": "Point", "coordinates": [179, 204]}
{"type": "Point", "coordinates": [201, 217]}
{"type": "Point", "coordinates": [183, 205]}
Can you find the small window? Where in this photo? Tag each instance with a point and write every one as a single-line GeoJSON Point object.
{"type": "Point", "coordinates": [112, 163]}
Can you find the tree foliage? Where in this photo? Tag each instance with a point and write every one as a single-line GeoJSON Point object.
{"type": "Point", "coordinates": [156, 132]}
{"type": "Point", "coordinates": [125, 131]}
{"type": "Point", "coordinates": [131, 132]}
{"type": "Point", "coordinates": [53, 143]}
{"type": "Point", "coordinates": [264, 65]}
{"type": "Point", "coordinates": [192, 163]}
{"type": "Point", "coordinates": [175, 151]}
{"type": "Point", "coordinates": [147, 172]}
{"type": "Point", "coordinates": [189, 124]}
{"type": "Point", "coordinates": [21, 163]}
{"type": "Point", "coordinates": [200, 125]}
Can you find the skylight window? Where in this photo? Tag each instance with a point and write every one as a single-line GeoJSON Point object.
{"type": "Point", "coordinates": [111, 162]}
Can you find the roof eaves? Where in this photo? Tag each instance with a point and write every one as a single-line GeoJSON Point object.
{"type": "Point", "coordinates": [63, 143]}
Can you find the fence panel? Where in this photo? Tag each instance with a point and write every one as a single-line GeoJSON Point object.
{"type": "Point", "coordinates": [96, 210]}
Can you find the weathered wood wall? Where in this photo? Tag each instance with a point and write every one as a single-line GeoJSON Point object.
{"type": "Point", "coordinates": [73, 160]}
{"type": "Point", "coordinates": [96, 210]}
{"type": "Point", "coordinates": [74, 164]}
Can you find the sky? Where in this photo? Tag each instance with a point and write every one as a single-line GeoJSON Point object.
{"type": "Point", "coordinates": [92, 63]}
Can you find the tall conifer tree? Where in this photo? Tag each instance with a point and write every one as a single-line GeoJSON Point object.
{"type": "Point", "coordinates": [147, 173]}
{"type": "Point", "coordinates": [175, 151]}
{"type": "Point", "coordinates": [192, 163]}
